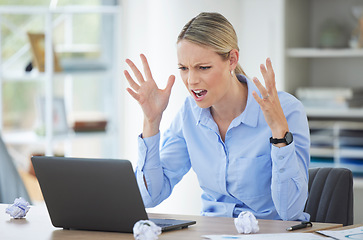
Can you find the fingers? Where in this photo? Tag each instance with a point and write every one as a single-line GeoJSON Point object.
{"type": "Point", "coordinates": [257, 98]}
{"type": "Point", "coordinates": [261, 88]}
{"type": "Point", "coordinates": [269, 100]}
{"type": "Point", "coordinates": [135, 70]}
{"type": "Point", "coordinates": [133, 94]}
{"type": "Point", "coordinates": [268, 74]}
{"type": "Point", "coordinates": [147, 70]}
{"type": "Point", "coordinates": [269, 77]}
{"type": "Point", "coordinates": [270, 69]}
{"type": "Point", "coordinates": [170, 84]}
{"type": "Point", "coordinates": [132, 83]}
{"type": "Point", "coordinates": [149, 84]}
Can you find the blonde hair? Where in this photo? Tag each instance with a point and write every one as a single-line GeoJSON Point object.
{"type": "Point", "coordinates": [212, 30]}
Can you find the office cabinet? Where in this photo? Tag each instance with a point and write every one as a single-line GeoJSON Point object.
{"type": "Point", "coordinates": [310, 62]}
{"type": "Point", "coordinates": [84, 85]}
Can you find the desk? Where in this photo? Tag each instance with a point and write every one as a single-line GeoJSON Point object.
{"type": "Point", "coordinates": [37, 225]}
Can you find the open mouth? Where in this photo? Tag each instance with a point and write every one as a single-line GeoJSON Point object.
{"type": "Point", "coordinates": [199, 93]}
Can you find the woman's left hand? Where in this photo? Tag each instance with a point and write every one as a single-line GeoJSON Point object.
{"type": "Point", "coordinates": [270, 103]}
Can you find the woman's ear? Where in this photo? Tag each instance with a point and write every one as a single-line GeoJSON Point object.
{"type": "Point", "coordinates": [233, 59]}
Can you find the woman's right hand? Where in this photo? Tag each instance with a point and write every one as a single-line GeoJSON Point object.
{"type": "Point", "coordinates": [152, 100]}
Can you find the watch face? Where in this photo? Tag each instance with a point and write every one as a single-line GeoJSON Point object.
{"type": "Point", "coordinates": [288, 138]}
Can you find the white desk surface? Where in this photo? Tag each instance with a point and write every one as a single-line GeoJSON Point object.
{"type": "Point", "coordinates": [37, 225]}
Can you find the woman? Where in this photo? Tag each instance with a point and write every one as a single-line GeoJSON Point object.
{"type": "Point", "coordinates": [248, 144]}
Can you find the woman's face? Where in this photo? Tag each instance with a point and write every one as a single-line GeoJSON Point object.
{"type": "Point", "coordinates": [205, 74]}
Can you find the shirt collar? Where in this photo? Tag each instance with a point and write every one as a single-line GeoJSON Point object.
{"type": "Point", "coordinates": [251, 113]}
{"type": "Point", "coordinates": [204, 116]}
{"type": "Point", "coordinates": [249, 116]}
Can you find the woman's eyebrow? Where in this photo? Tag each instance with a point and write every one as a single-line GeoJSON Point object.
{"type": "Point", "coordinates": [197, 64]}
{"type": "Point", "coordinates": [202, 63]}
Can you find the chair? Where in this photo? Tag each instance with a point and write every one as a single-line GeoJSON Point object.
{"type": "Point", "coordinates": [330, 197]}
{"type": "Point", "coordinates": [11, 184]}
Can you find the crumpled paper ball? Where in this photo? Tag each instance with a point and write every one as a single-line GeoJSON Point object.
{"type": "Point", "coordinates": [246, 223]}
{"type": "Point", "coordinates": [18, 209]}
{"type": "Point", "coordinates": [146, 230]}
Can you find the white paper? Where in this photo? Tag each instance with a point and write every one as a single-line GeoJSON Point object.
{"type": "Point", "coordinates": [354, 233]}
{"type": "Point", "coordinates": [18, 209]}
{"type": "Point", "coordinates": [272, 236]}
{"type": "Point", "coordinates": [146, 230]}
{"type": "Point", "coordinates": [246, 223]}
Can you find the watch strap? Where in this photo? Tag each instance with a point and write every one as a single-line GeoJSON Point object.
{"type": "Point", "coordinates": [288, 138]}
{"type": "Point", "coordinates": [277, 140]}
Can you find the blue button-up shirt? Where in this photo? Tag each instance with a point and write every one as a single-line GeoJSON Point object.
{"type": "Point", "coordinates": [243, 173]}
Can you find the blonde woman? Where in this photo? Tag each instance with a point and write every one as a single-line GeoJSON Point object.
{"type": "Point", "coordinates": [248, 144]}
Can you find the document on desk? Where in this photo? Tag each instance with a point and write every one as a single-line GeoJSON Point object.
{"type": "Point", "coordinates": [274, 236]}
{"type": "Point", "coordinates": [353, 233]}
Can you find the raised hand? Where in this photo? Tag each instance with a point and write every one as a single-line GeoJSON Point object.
{"type": "Point", "coordinates": [270, 103]}
{"type": "Point", "coordinates": [152, 100]}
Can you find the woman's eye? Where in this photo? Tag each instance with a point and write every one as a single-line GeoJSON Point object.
{"type": "Point", "coordinates": [204, 68]}
{"type": "Point", "coordinates": [182, 68]}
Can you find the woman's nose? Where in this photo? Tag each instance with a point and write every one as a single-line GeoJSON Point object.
{"type": "Point", "coordinates": [193, 78]}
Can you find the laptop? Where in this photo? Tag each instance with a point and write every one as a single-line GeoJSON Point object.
{"type": "Point", "coordinates": [94, 194]}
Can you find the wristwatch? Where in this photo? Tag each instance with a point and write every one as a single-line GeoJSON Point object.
{"type": "Point", "coordinates": [287, 139]}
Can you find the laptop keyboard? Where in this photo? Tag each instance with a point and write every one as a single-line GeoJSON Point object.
{"type": "Point", "coordinates": [164, 224]}
{"type": "Point", "coordinates": [170, 224]}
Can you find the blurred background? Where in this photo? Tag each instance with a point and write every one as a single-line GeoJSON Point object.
{"type": "Point", "coordinates": [63, 90]}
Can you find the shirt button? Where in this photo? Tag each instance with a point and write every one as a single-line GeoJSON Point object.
{"type": "Point", "coordinates": [282, 170]}
{"type": "Point", "coordinates": [281, 157]}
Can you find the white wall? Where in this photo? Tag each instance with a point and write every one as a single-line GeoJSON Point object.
{"type": "Point", "coordinates": [151, 27]}
{"type": "Point", "coordinates": [261, 36]}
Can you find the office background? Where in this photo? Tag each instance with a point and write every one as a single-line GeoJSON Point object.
{"type": "Point", "coordinates": [151, 27]}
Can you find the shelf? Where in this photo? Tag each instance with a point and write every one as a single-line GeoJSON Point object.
{"type": "Point", "coordinates": [30, 137]}
{"type": "Point", "coordinates": [321, 138]}
{"type": "Point", "coordinates": [22, 76]}
{"type": "Point", "coordinates": [326, 127]}
{"type": "Point", "coordinates": [354, 168]}
{"type": "Point", "coordinates": [320, 164]}
{"type": "Point", "coordinates": [321, 152]}
{"type": "Point", "coordinates": [87, 135]}
{"type": "Point", "coordinates": [356, 153]}
{"type": "Point", "coordinates": [24, 137]}
{"type": "Point", "coordinates": [83, 61]}
{"type": "Point", "coordinates": [335, 127]}
{"type": "Point", "coordinates": [323, 53]}
{"type": "Point", "coordinates": [334, 113]}
{"type": "Point", "coordinates": [66, 9]}
{"type": "Point", "coordinates": [41, 76]}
